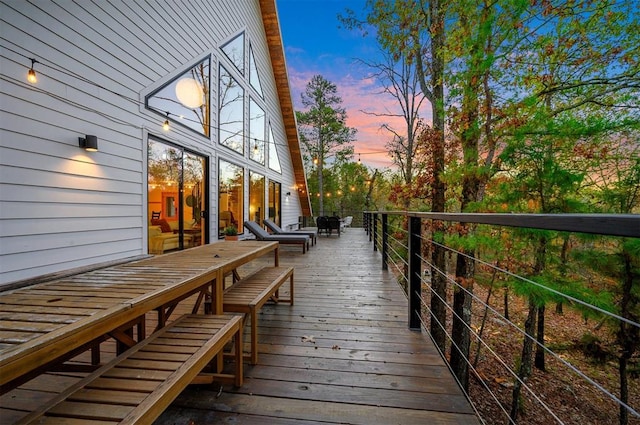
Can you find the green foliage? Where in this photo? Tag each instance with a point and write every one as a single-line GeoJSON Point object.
{"type": "Point", "coordinates": [230, 231]}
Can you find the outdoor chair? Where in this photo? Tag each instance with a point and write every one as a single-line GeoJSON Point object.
{"type": "Point", "coordinates": [334, 224]}
{"type": "Point", "coordinates": [262, 235]}
{"type": "Point", "coordinates": [323, 225]}
{"type": "Point", "coordinates": [313, 234]}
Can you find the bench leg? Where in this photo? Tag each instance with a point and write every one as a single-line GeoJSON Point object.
{"type": "Point", "coordinates": [291, 288]}
{"type": "Point", "coordinates": [239, 358]}
{"type": "Point", "coordinates": [254, 336]}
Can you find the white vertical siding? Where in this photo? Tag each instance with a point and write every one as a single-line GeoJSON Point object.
{"type": "Point", "coordinates": [61, 207]}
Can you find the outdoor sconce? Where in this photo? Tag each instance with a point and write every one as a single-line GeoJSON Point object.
{"type": "Point", "coordinates": [88, 143]}
{"type": "Point", "coordinates": [288, 193]}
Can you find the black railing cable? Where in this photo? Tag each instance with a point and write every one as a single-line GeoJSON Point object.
{"type": "Point", "coordinates": [513, 373]}
{"type": "Point", "coordinates": [476, 373]}
{"type": "Point", "coordinates": [526, 335]}
{"type": "Point", "coordinates": [539, 285]}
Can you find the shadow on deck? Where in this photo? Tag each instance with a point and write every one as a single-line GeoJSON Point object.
{"type": "Point", "coordinates": [341, 354]}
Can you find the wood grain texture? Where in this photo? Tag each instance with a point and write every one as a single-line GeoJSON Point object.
{"type": "Point", "coordinates": [363, 367]}
{"type": "Point", "coordinates": [341, 354]}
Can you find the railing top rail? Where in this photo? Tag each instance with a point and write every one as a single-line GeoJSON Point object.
{"type": "Point", "coordinates": [627, 225]}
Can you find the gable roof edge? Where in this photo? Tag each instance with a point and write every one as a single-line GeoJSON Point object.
{"type": "Point", "coordinates": [276, 52]}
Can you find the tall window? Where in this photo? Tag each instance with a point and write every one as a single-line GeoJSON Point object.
{"type": "Point", "coordinates": [176, 197]}
{"type": "Point", "coordinates": [230, 196]}
{"type": "Point", "coordinates": [256, 197]}
{"type": "Point", "coordinates": [256, 132]}
{"type": "Point", "coordinates": [231, 113]}
{"type": "Point", "coordinates": [275, 202]}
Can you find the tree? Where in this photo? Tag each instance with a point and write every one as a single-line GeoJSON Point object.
{"type": "Point", "coordinates": [413, 32]}
{"type": "Point", "coordinates": [323, 130]}
{"type": "Point", "coordinates": [400, 81]}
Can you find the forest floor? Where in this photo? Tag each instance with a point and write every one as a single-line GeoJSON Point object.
{"type": "Point", "coordinates": [570, 397]}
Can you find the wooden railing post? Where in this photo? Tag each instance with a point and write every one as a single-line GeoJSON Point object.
{"type": "Point", "coordinates": [385, 240]}
{"type": "Point", "coordinates": [415, 273]}
{"type": "Point", "coordinates": [375, 231]}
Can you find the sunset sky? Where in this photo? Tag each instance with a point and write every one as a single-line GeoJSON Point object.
{"type": "Point", "coordinates": [316, 43]}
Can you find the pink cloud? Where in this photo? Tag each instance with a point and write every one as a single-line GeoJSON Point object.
{"type": "Point", "coordinates": [362, 98]}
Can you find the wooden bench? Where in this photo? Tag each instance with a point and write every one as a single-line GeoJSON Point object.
{"type": "Point", "coordinates": [137, 386]}
{"type": "Point", "coordinates": [249, 294]}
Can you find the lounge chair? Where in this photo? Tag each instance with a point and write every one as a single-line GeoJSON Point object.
{"type": "Point", "coordinates": [262, 235]}
{"type": "Point", "coordinates": [313, 234]}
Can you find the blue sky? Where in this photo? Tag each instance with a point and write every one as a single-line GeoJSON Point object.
{"type": "Point", "coordinates": [316, 43]}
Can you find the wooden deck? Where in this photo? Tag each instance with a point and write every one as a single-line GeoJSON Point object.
{"type": "Point", "coordinates": [341, 354]}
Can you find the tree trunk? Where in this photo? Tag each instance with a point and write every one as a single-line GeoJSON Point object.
{"type": "Point", "coordinates": [628, 336]}
{"type": "Point", "coordinates": [563, 266]}
{"type": "Point", "coordinates": [624, 389]}
{"type": "Point", "coordinates": [436, 25]}
{"type": "Point", "coordinates": [525, 362]}
{"type": "Point", "coordinates": [460, 333]}
{"type": "Point", "coordinates": [540, 352]}
{"type": "Point", "coordinates": [506, 302]}
{"type": "Point", "coordinates": [538, 268]}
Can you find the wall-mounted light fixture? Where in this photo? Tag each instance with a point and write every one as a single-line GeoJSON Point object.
{"type": "Point", "coordinates": [88, 143]}
{"type": "Point", "coordinates": [288, 193]}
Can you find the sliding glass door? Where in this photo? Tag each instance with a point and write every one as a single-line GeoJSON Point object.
{"type": "Point", "coordinates": [176, 195]}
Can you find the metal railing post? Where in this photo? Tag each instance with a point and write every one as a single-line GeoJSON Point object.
{"type": "Point", "coordinates": [371, 227]}
{"type": "Point", "coordinates": [385, 241]}
{"type": "Point", "coordinates": [415, 267]}
{"type": "Point", "coordinates": [365, 222]}
{"type": "Point", "coordinates": [375, 231]}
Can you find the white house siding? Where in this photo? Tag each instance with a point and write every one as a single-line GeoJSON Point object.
{"type": "Point", "coordinates": [62, 207]}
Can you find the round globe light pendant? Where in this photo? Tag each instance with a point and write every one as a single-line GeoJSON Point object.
{"type": "Point", "coordinates": [189, 93]}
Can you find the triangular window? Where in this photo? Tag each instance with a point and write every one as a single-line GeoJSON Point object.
{"type": "Point", "coordinates": [234, 50]}
{"type": "Point", "coordinates": [185, 99]}
{"type": "Point", "coordinates": [274, 161]}
{"type": "Point", "coordinates": [254, 77]}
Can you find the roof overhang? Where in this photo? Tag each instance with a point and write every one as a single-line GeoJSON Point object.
{"type": "Point", "coordinates": [276, 51]}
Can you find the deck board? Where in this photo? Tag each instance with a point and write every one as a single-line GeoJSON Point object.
{"type": "Point", "coordinates": [362, 366]}
{"type": "Point", "coordinates": [341, 354]}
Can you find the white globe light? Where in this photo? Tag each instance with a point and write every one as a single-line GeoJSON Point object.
{"type": "Point", "coordinates": [189, 93]}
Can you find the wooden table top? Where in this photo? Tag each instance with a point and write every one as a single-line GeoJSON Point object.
{"type": "Point", "coordinates": [42, 323]}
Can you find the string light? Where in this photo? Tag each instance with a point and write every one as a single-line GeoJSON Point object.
{"type": "Point", "coordinates": [166, 125]}
{"type": "Point", "coordinates": [31, 74]}
{"type": "Point", "coordinates": [32, 78]}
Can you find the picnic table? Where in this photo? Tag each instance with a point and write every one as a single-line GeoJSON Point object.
{"type": "Point", "coordinates": [46, 324]}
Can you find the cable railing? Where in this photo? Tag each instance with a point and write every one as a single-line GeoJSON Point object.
{"type": "Point", "coordinates": [484, 298]}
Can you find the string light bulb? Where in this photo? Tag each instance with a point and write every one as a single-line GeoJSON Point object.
{"type": "Point", "coordinates": [165, 125]}
{"type": "Point", "coordinates": [31, 74]}
{"type": "Point", "coordinates": [359, 160]}
{"type": "Point", "coordinates": [315, 160]}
